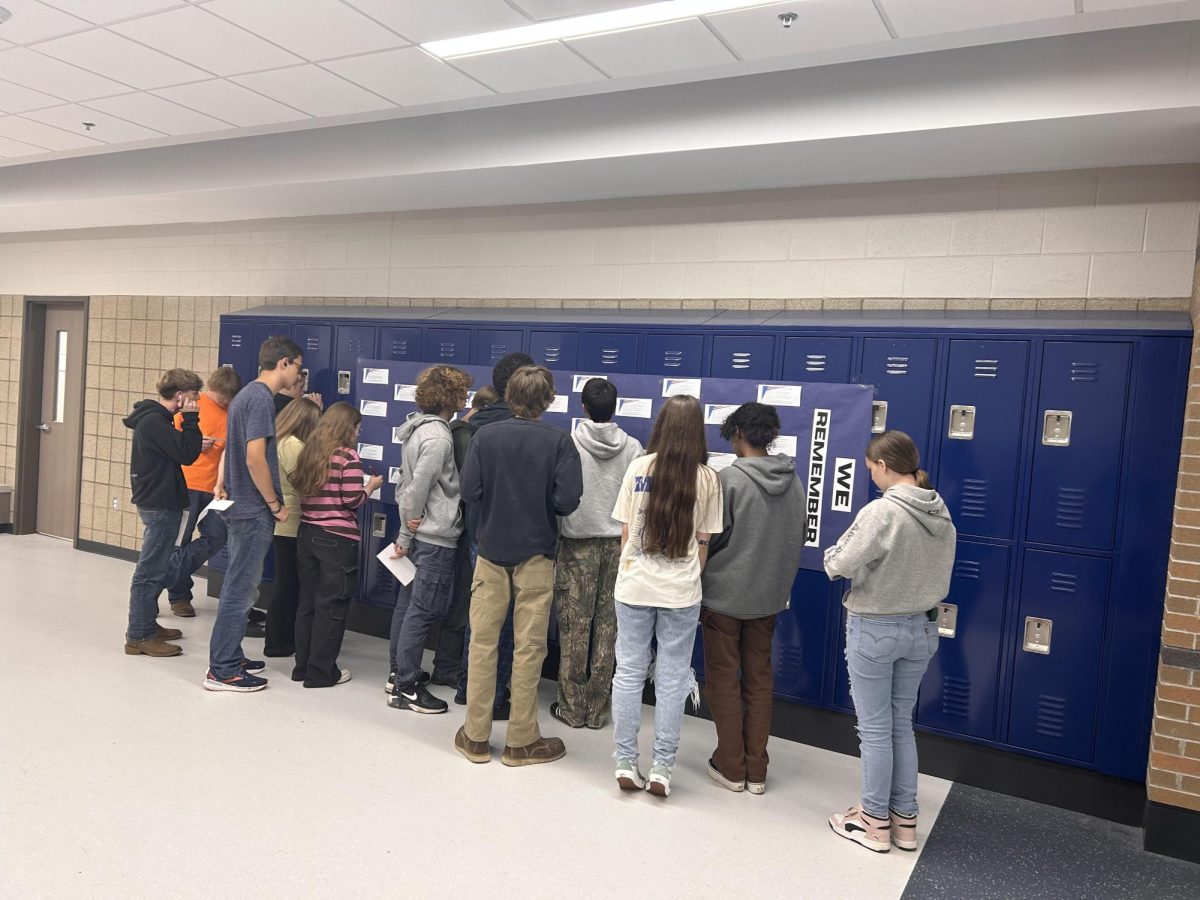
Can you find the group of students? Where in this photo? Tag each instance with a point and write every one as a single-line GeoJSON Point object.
{"type": "Point", "coordinates": [505, 518]}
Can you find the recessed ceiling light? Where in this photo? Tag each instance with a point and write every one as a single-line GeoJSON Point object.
{"type": "Point", "coordinates": [578, 26]}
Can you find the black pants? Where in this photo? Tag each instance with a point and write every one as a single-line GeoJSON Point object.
{"type": "Point", "coordinates": [448, 657]}
{"type": "Point", "coordinates": [281, 614]}
{"type": "Point", "coordinates": [328, 571]}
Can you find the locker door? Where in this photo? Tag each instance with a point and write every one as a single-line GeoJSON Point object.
{"type": "Point", "coordinates": [801, 637]}
{"type": "Point", "coordinates": [902, 372]}
{"type": "Point", "coordinates": [554, 349]}
{"type": "Point", "coordinates": [377, 587]}
{"type": "Point", "coordinates": [958, 693]}
{"type": "Point", "coordinates": [493, 343]}
{"type": "Point", "coordinates": [353, 341]}
{"type": "Point", "coordinates": [1077, 449]}
{"type": "Point", "coordinates": [238, 349]}
{"type": "Point", "coordinates": [1054, 692]}
{"type": "Point", "coordinates": [816, 359]}
{"type": "Point", "coordinates": [841, 677]}
{"type": "Point", "coordinates": [400, 342]}
{"type": "Point", "coordinates": [604, 351]}
{"type": "Point", "coordinates": [674, 354]}
{"type": "Point", "coordinates": [743, 356]}
{"type": "Point", "coordinates": [262, 331]}
{"type": "Point", "coordinates": [980, 431]}
{"type": "Point", "coordinates": [317, 343]}
{"type": "Point", "coordinates": [447, 345]}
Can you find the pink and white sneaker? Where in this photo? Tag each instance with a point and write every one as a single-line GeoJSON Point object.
{"type": "Point", "coordinates": [857, 826]}
{"type": "Point", "coordinates": [904, 831]}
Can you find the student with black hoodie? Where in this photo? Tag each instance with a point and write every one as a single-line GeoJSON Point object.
{"type": "Point", "coordinates": [161, 496]}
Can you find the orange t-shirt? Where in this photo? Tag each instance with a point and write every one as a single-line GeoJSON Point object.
{"type": "Point", "coordinates": [202, 474]}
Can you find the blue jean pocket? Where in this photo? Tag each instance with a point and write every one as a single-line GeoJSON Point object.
{"type": "Point", "coordinates": [876, 641]}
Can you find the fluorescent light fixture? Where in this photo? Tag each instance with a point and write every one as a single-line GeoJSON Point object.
{"type": "Point", "coordinates": [578, 26]}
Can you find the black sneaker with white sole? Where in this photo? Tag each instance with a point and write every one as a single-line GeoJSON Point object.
{"type": "Point", "coordinates": [416, 697]}
{"type": "Point", "coordinates": [423, 678]}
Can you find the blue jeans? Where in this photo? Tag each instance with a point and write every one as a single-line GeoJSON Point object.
{"type": "Point", "coordinates": [887, 657]}
{"type": "Point", "coordinates": [249, 541]}
{"type": "Point", "coordinates": [154, 569]}
{"type": "Point", "coordinates": [674, 679]}
{"type": "Point", "coordinates": [203, 547]}
{"type": "Point", "coordinates": [419, 605]}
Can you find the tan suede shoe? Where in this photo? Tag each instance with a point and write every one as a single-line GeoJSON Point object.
{"type": "Point", "coordinates": [152, 647]}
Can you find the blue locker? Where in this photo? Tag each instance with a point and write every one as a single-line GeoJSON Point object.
{"type": "Point", "coordinates": [802, 637]}
{"type": "Point", "coordinates": [609, 351]}
{"type": "Point", "coordinates": [980, 439]}
{"type": "Point", "coordinates": [493, 343]}
{"type": "Point", "coordinates": [1077, 444]}
{"type": "Point", "coordinates": [377, 587]}
{"type": "Point", "coordinates": [316, 342]}
{"type": "Point", "coordinates": [448, 345]}
{"type": "Point", "coordinates": [400, 342]}
{"type": "Point", "coordinates": [816, 359]}
{"type": "Point", "coordinates": [1054, 691]}
{"type": "Point", "coordinates": [902, 372]}
{"type": "Point", "coordinates": [554, 349]}
{"type": "Point", "coordinates": [238, 349]}
{"type": "Point", "coordinates": [674, 354]}
{"type": "Point", "coordinates": [841, 677]}
{"type": "Point", "coordinates": [959, 691]}
{"type": "Point", "coordinates": [353, 342]}
{"type": "Point", "coordinates": [743, 356]}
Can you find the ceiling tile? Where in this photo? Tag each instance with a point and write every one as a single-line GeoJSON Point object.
{"type": "Point", "coordinates": [15, 99]}
{"type": "Point", "coordinates": [409, 77]}
{"type": "Point", "coordinates": [107, 128]}
{"type": "Point", "coordinates": [43, 73]}
{"type": "Point", "coordinates": [159, 114]}
{"type": "Point", "coordinates": [204, 40]}
{"type": "Point", "coordinates": [121, 59]}
{"type": "Point", "coordinates": [821, 25]}
{"type": "Point", "coordinates": [314, 29]}
{"type": "Point", "coordinates": [40, 135]}
{"type": "Point", "coordinates": [104, 11]}
{"type": "Point", "coordinates": [432, 20]}
{"type": "Point", "coordinates": [230, 102]}
{"type": "Point", "coordinates": [528, 68]}
{"type": "Point", "coordinates": [912, 18]}
{"type": "Point", "coordinates": [661, 48]}
{"type": "Point", "coordinates": [33, 21]}
{"type": "Point", "coordinates": [10, 148]}
{"type": "Point", "coordinates": [313, 90]}
{"type": "Point", "coordinates": [559, 9]}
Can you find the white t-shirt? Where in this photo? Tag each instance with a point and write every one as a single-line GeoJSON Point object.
{"type": "Point", "coordinates": [650, 579]}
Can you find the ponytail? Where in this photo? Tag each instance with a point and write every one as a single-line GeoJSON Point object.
{"type": "Point", "coordinates": [923, 479]}
{"type": "Point", "coordinates": [900, 453]}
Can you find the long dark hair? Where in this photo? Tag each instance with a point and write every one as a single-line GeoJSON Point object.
{"type": "Point", "coordinates": [337, 428]}
{"type": "Point", "coordinates": [680, 456]}
{"type": "Point", "coordinates": [900, 453]}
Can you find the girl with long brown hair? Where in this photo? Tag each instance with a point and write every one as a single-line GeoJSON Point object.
{"type": "Point", "coordinates": [329, 480]}
{"type": "Point", "coordinates": [669, 504]}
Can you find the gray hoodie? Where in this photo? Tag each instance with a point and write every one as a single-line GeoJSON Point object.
{"type": "Point", "coordinates": [428, 484]}
{"type": "Point", "coordinates": [752, 562]}
{"type": "Point", "coordinates": [605, 452]}
{"type": "Point", "coordinates": [898, 554]}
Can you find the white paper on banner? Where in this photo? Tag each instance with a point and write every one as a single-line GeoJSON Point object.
{"type": "Point", "coordinates": [843, 484]}
{"type": "Point", "coordinates": [721, 461]}
{"type": "Point", "coordinates": [373, 407]}
{"type": "Point", "coordinates": [675, 387]}
{"type": "Point", "coordinates": [374, 495]}
{"type": "Point", "coordinates": [215, 506]}
{"type": "Point", "coordinates": [394, 475]}
{"type": "Point", "coordinates": [401, 568]}
{"type": "Point", "coordinates": [396, 434]}
{"type": "Point", "coordinates": [578, 381]}
{"type": "Point", "coordinates": [575, 423]}
{"type": "Point", "coordinates": [779, 394]}
{"type": "Point", "coordinates": [470, 400]}
{"type": "Point", "coordinates": [370, 451]}
{"type": "Point", "coordinates": [558, 404]}
{"type": "Point", "coordinates": [717, 413]}
{"type": "Point", "coordinates": [785, 444]}
{"type": "Point", "coordinates": [635, 407]}
{"type": "Point", "coordinates": [406, 392]}
{"type": "Point", "coordinates": [375, 376]}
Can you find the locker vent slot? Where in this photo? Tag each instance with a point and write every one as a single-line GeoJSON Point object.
{"type": "Point", "coordinates": [1064, 582]}
{"type": "Point", "coordinates": [552, 354]}
{"type": "Point", "coordinates": [741, 360]}
{"type": "Point", "coordinates": [967, 568]}
{"type": "Point", "coordinates": [400, 348]}
{"type": "Point", "coordinates": [897, 365]}
{"type": "Point", "coordinates": [447, 349]}
{"type": "Point", "coordinates": [974, 498]}
{"type": "Point", "coordinates": [312, 344]}
{"type": "Point", "coordinates": [815, 362]}
{"type": "Point", "coordinates": [791, 663]}
{"type": "Point", "coordinates": [672, 359]}
{"type": "Point", "coordinates": [1051, 715]}
{"type": "Point", "coordinates": [498, 350]}
{"type": "Point", "coordinates": [987, 368]}
{"type": "Point", "coordinates": [956, 697]}
{"type": "Point", "coordinates": [610, 356]}
{"type": "Point", "coordinates": [355, 345]}
{"type": "Point", "coordinates": [1068, 511]}
{"type": "Point", "coordinates": [1085, 371]}
{"type": "Point", "coordinates": [236, 341]}
{"type": "Point", "coordinates": [384, 581]}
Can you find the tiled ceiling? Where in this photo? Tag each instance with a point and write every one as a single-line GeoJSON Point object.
{"type": "Point", "coordinates": [94, 75]}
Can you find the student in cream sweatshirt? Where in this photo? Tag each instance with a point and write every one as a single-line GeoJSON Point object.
{"type": "Point", "coordinates": [898, 554]}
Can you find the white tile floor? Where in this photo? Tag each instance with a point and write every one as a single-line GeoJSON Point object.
{"type": "Point", "coordinates": [121, 777]}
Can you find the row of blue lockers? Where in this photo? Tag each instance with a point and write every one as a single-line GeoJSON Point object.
{"type": "Point", "coordinates": [1053, 439]}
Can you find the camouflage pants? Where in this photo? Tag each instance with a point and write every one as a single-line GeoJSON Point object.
{"type": "Point", "coordinates": [584, 575]}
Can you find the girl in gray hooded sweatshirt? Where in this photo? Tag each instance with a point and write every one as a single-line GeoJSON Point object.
{"type": "Point", "coordinates": [898, 554]}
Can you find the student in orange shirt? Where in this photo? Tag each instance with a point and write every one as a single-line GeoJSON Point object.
{"type": "Point", "coordinates": [201, 478]}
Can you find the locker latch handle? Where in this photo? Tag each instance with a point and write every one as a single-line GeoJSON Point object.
{"type": "Point", "coordinates": [1037, 635]}
{"type": "Point", "coordinates": [226, 365]}
{"type": "Point", "coordinates": [947, 620]}
{"type": "Point", "coordinates": [1056, 428]}
{"type": "Point", "coordinates": [962, 423]}
{"type": "Point", "coordinates": [343, 381]}
{"type": "Point", "coordinates": [304, 372]}
{"type": "Point", "coordinates": [379, 525]}
{"type": "Point", "coordinates": [878, 416]}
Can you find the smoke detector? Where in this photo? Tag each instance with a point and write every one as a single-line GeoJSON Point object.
{"type": "Point", "coordinates": [787, 18]}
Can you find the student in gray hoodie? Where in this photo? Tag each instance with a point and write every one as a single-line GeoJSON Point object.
{"type": "Point", "coordinates": [429, 499]}
{"type": "Point", "coordinates": [898, 554]}
{"type": "Point", "coordinates": [747, 582]}
{"type": "Point", "coordinates": [586, 567]}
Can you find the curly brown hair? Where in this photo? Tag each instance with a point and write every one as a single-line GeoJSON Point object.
{"type": "Point", "coordinates": [442, 389]}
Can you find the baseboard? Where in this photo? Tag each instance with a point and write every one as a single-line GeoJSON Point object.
{"type": "Point", "coordinates": [1172, 831]}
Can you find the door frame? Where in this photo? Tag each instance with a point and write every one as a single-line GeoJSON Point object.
{"type": "Point", "coordinates": [29, 409]}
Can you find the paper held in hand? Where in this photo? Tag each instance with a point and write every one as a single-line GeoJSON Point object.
{"type": "Point", "coordinates": [215, 506]}
{"type": "Point", "coordinates": [402, 568]}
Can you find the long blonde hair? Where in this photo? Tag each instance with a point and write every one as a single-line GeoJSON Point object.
{"type": "Point", "coordinates": [337, 428]}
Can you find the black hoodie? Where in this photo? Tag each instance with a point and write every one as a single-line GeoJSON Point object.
{"type": "Point", "coordinates": [158, 452]}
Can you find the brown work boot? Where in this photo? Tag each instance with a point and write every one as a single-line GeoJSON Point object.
{"type": "Point", "coordinates": [166, 634]}
{"type": "Point", "coordinates": [151, 647]}
{"type": "Point", "coordinates": [543, 750]}
{"type": "Point", "coordinates": [474, 751]}
{"type": "Point", "coordinates": [182, 608]}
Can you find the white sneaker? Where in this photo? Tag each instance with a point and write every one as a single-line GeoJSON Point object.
{"type": "Point", "coordinates": [857, 826]}
{"type": "Point", "coordinates": [756, 787]}
{"type": "Point", "coordinates": [344, 677]}
{"type": "Point", "coordinates": [659, 782]}
{"type": "Point", "coordinates": [629, 777]}
{"type": "Point", "coordinates": [715, 774]}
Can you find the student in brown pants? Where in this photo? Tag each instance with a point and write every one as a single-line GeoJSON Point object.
{"type": "Point", "coordinates": [747, 582]}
